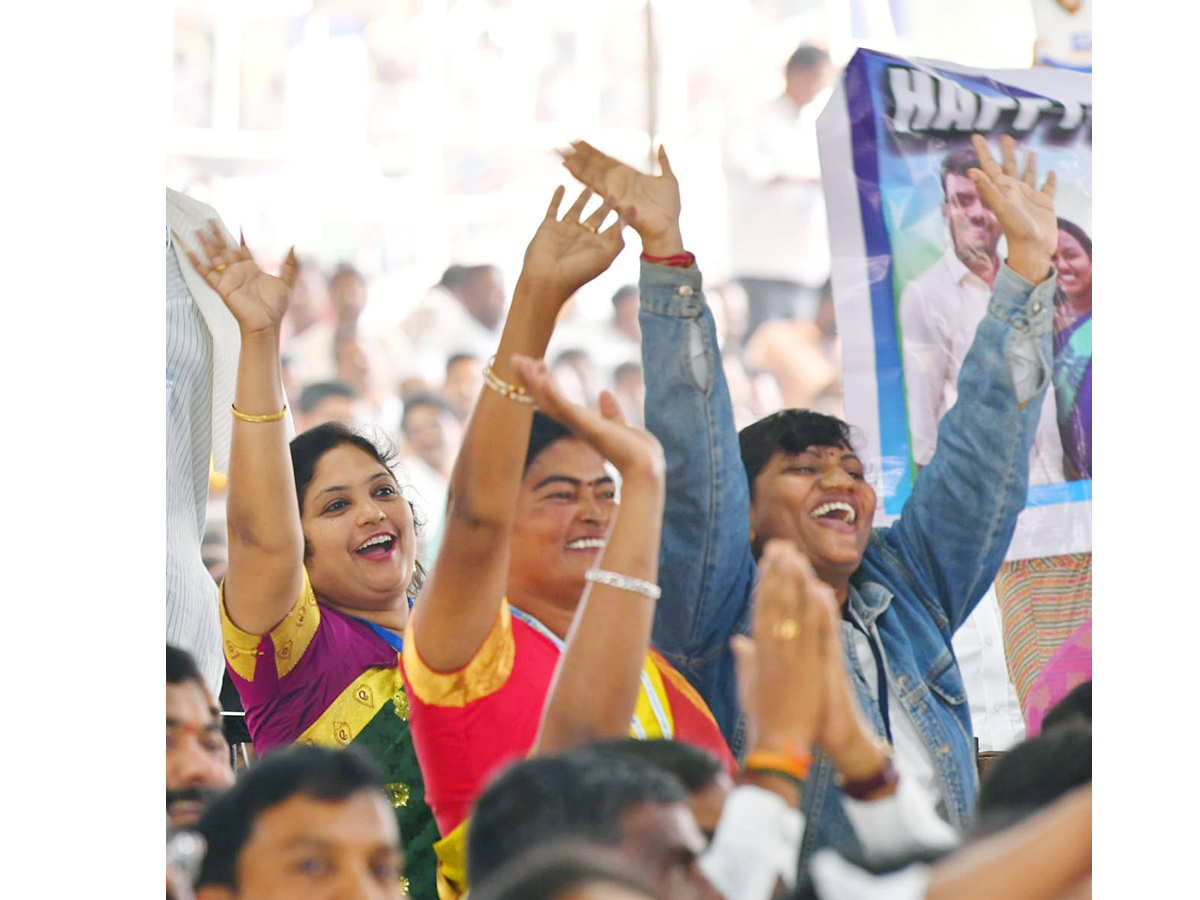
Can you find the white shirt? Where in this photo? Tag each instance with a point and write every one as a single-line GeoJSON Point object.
{"type": "Point", "coordinates": [1063, 38]}
{"type": "Point", "coordinates": [777, 230]}
{"type": "Point", "coordinates": [940, 311]}
{"type": "Point", "coordinates": [910, 756]}
{"type": "Point", "coordinates": [979, 647]}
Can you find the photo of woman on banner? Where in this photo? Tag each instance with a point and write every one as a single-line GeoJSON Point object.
{"type": "Point", "coordinates": [1073, 347]}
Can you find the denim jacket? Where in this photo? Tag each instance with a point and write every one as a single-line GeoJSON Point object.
{"type": "Point", "coordinates": [919, 578]}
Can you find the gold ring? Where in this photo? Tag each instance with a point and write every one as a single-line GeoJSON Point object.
{"type": "Point", "coordinates": [220, 267]}
{"type": "Point", "coordinates": [591, 228]}
{"type": "Point", "coordinates": [787, 630]}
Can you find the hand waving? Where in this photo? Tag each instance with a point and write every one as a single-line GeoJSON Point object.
{"type": "Point", "coordinates": [569, 253]}
{"type": "Point", "coordinates": [256, 299]}
{"type": "Point", "coordinates": [1025, 213]}
{"type": "Point", "coordinates": [628, 448]}
{"type": "Point", "coordinates": [649, 204]}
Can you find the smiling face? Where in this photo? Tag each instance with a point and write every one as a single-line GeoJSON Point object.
{"type": "Point", "coordinates": [316, 849]}
{"type": "Point", "coordinates": [974, 228]}
{"type": "Point", "coordinates": [360, 542]}
{"type": "Point", "coordinates": [820, 501]}
{"type": "Point", "coordinates": [566, 503]}
{"type": "Point", "coordinates": [1074, 267]}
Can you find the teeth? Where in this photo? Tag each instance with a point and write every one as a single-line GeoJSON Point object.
{"type": "Point", "coordinates": [375, 541]}
{"type": "Point", "coordinates": [826, 508]}
{"type": "Point", "coordinates": [586, 544]}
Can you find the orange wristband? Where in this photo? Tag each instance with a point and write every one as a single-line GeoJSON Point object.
{"type": "Point", "coordinates": [793, 765]}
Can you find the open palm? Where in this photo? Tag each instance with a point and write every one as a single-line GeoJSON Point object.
{"type": "Point", "coordinates": [257, 300]}
{"type": "Point", "coordinates": [649, 203]}
{"type": "Point", "coordinates": [1025, 213]}
{"type": "Point", "coordinates": [570, 253]}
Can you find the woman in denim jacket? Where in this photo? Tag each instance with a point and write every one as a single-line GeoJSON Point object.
{"type": "Point", "coordinates": [904, 589]}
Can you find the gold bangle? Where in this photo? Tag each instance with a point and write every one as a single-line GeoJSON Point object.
{"type": "Point", "coordinates": [504, 388]}
{"type": "Point", "coordinates": [271, 417]}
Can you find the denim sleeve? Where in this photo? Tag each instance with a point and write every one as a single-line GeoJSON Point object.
{"type": "Point", "coordinates": [706, 568]}
{"type": "Point", "coordinates": [955, 529]}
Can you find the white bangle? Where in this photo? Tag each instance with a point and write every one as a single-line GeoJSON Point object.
{"type": "Point", "coordinates": [624, 583]}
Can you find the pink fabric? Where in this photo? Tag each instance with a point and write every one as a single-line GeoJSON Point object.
{"type": "Point", "coordinates": [1069, 667]}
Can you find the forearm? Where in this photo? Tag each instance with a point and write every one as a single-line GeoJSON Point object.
{"type": "Point", "coordinates": [706, 568]}
{"type": "Point", "coordinates": [959, 521]}
{"type": "Point", "coordinates": [262, 508]}
{"type": "Point", "coordinates": [1039, 859]}
{"type": "Point", "coordinates": [611, 631]}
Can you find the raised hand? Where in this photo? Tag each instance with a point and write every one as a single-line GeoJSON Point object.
{"type": "Point", "coordinates": [780, 670]}
{"type": "Point", "coordinates": [1025, 213]}
{"type": "Point", "coordinates": [566, 253]}
{"type": "Point", "coordinates": [650, 204]}
{"type": "Point", "coordinates": [628, 448]}
{"type": "Point", "coordinates": [256, 299]}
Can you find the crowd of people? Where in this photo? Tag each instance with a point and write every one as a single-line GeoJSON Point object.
{"type": "Point", "coordinates": [585, 643]}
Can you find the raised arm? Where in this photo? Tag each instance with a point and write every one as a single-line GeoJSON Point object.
{"type": "Point", "coordinates": [706, 568]}
{"type": "Point", "coordinates": [461, 599]}
{"type": "Point", "coordinates": [611, 629]}
{"type": "Point", "coordinates": [266, 545]}
{"type": "Point", "coordinates": [957, 525]}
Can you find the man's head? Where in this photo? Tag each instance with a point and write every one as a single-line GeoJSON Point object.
{"type": "Point", "coordinates": [626, 302]}
{"type": "Point", "coordinates": [566, 870]}
{"type": "Point", "coordinates": [700, 773]}
{"type": "Point", "coordinates": [974, 228]}
{"type": "Point", "coordinates": [481, 291]}
{"type": "Point", "coordinates": [347, 294]}
{"type": "Point", "coordinates": [808, 72]}
{"type": "Point", "coordinates": [325, 401]}
{"type": "Point", "coordinates": [304, 823]}
{"type": "Point", "coordinates": [1032, 775]}
{"type": "Point", "coordinates": [1072, 711]}
{"type": "Point", "coordinates": [431, 430]}
{"type": "Point", "coordinates": [808, 486]}
{"type": "Point", "coordinates": [631, 806]}
{"type": "Point", "coordinates": [198, 765]}
{"type": "Point", "coordinates": [464, 381]}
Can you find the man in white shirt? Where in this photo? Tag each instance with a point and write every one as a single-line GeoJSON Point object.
{"type": "Point", "coordinates": [778, 234]}
{"type": "Point", "coordinates": [939, 312]}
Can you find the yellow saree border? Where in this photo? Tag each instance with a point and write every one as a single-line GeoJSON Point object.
{"type": "Point", "coordinates": [290, 637]}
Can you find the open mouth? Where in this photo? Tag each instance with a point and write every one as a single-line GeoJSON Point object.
{"type": "Point", "coordinates": [586, 544]}
{"type": "Point", "coordinates": [378, 547]}
{"type": "Point", "coordinates": [836, 511]}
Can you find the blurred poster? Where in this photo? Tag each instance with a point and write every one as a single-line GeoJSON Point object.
{"type": "Point", "coordinates": [915, 254]}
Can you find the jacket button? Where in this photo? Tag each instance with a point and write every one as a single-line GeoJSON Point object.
{"type": "Point", "coordinates": [684, 290]}
{"type": "Point", "coordinates": [1037, 306]}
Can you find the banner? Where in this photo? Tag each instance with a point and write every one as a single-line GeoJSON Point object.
{"type": "Point", "coordinates": [915, 252]}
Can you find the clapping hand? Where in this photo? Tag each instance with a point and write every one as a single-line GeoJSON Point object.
{"type": "Point", "coordinates": [1025, 213]}
{"type": "Point", "coordinates": [648, 203]}
{"type": "Point", "coordinates": [256, 299]}
{"type": "Point", "coordinates": [565, 254]}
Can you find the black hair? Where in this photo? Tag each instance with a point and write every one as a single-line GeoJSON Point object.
{"type": "Point", "coordinates": [553, 870]}
{"type": "Point", "coordinates": [426, 398]}
{"type": "Point", "coordinates": [807, 56]}
{"type": "Point", "coordinates": [544, 432]}
{"type": "Point", "coordinates": [1072, 711]}
{"type": "Point", "coordinates": [455, 358]}
{"type": "Point", "coordinates": [346, 270]}
{"type": "Point", "coordinates": [958, 161]}
{"type": "Point", "coordinates": [696, 769]}
{"type": "Point", "coordinates": [625, 290]}
{"type": "Point", "coordinates": [1031, 776]}
{"type": "Point", "coordinates": [181, 666]}
{"type": "Point", "coordinates": [1078, 233]}
{"type": "Point", "coordinates": [788, 431]}
{"type": "Point", "coordinates": [317, 772]}
{"type": "Point", "coordinates": [582, 794]}
{"type": "Point", "coordinates": [626, 368]}
{"type": "Point", "coordinates": [307, 449]}
{"type": "Point", "coordinates": [454, 277]}
{"type": "Point", "coordinates": [313, 394]}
